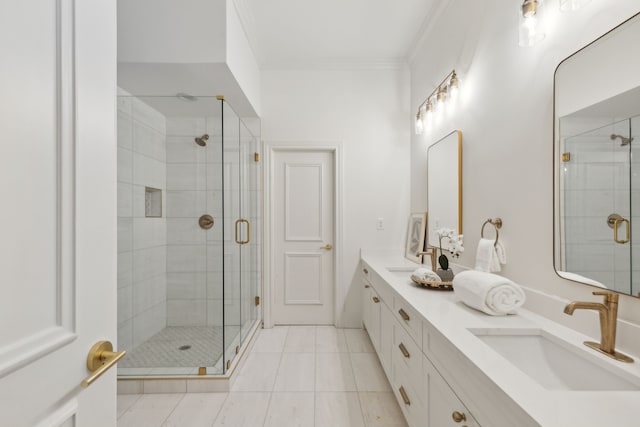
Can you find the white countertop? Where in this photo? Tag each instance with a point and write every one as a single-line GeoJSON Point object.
{"type": "Point", "coordinates": [549, 408]}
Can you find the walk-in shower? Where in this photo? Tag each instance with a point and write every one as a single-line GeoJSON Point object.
{"type": "Point", "coordinates": [188, 235]}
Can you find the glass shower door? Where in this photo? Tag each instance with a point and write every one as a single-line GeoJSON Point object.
{"type": "Point", "coordinates": [249, 184]}
{"type": "Point", "coordinates": [595, 184]}
{"type": "Point", "coordinates": [231, 247]}
{"type": "Point", "coordinates": [634, 133]}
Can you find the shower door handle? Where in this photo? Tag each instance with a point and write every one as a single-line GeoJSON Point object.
{"type": "Point", "coordinates": [617, 222]}
{"type": "Point", "coordinates": [238, 222]}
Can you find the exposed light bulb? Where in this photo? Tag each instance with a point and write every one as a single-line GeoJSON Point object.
{"type": "Point", "coordinates": [441, 98]}
{"type": "Point", "coordinates": [530, 31]}
{"type": "Point", "coordinates": [571, 5]}
{"type": "Point", "coordinates": [419, 123]}
{"type": "Point", "coordinates": [454, 86]}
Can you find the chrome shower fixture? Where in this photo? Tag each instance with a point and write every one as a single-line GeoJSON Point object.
{"type": "Point", "coordinates": [202, 140]}
{"type": "Point", "coordinates": [623, 140]}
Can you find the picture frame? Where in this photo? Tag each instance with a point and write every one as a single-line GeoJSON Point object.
{"type": "Point", "coordinates": [416, 235]}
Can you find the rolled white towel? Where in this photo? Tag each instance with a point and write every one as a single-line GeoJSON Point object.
{"type": "Point", "coordinates": [489, 293]}
{"type": "Point", "coordinates": [425, 275]}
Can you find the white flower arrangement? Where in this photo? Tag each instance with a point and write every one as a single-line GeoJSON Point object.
{"type": "Point", "coordinates": [456, 246]}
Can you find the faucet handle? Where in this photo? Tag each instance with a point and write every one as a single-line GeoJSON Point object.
{"type": "Point", "coordinates": [608, 296]}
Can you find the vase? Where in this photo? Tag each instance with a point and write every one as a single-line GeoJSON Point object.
{"type": "Point", "coordinates": [445, 275]}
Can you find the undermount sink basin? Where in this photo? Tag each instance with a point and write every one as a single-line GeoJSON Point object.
{"type": "Point", "coordinates": [554, 363]}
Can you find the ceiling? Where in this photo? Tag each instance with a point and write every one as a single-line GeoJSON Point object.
{"type": "Point", "coordinates": [285, 33]}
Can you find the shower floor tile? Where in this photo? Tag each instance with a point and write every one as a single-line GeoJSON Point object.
{"type": "Point", "coordinates": [201, 346]}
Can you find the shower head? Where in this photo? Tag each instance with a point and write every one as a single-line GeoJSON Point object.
{"type": "Point", "coordinates": [623, 140]}
{"type": "Point", "coordinates": [202, 140]}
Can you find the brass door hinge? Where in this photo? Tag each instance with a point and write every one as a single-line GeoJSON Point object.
{"type": "Point", "coordinates": [256, 157]}
{"type": "Point", "coordinates": [257, 300]}
{"type": "Point", "coordinates": [566, 157]}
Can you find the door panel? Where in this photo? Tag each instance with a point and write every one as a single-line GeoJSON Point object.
{"type": "Point", "coordinates": [303, 278]}
{"type": "Point", "coordinates": [57, 118]}
{"type": "Point", "coordinates": [303, 202]}
{"type": "Point", "coordinates": [303, 262]}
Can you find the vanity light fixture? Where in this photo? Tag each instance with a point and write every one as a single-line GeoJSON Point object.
{"type": "Point", "coordinates": [571, 5]}
{"type": "Point", "coordinates": [446, 90]}
{"type": "Point", "coordinates": [530, 29]}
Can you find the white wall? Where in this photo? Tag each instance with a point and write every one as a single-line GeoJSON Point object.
{"type": "Point", "coordinates": [506, 116]}
{"type": "Point", "coordinates": [142, 280]}
{"type": "Point", "coordinates": [194, 46]}
{"type": "Point", "coordinates": [366, 111]}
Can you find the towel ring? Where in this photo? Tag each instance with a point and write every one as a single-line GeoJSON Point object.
{"type": "Point", "coordinates": [497, 224]}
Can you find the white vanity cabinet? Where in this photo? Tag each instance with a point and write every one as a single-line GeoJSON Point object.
{"type": "Point", "coordinates": [445, 409]}
{"type": "Point", "coordinates": [396, 331]}
{"type": "Point", "coordinates": [371, 310]}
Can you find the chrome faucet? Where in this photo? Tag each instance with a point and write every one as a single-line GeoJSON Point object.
{"type": "Point", "coordinates": [608, 323]}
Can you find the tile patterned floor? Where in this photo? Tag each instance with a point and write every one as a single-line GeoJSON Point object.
{"type": "Point", "coordinates": [293, 376]}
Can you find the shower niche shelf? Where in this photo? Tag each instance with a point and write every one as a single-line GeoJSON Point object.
{"type": "Point", "coordinates": [152, 202]}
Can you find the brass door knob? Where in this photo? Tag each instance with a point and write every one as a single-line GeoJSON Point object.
{"type": "Point", "coordinates": [458, 416]}
{"type": "Point", "coordinates": [328, 246]}
{"type": "Point", "coordinates": [205, 222]}
{"type": "Point", "coordinates": [100, 359]}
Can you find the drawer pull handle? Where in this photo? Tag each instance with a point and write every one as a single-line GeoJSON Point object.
{"type": "Point", "coordinates": [376, 299]}
{"type": "Point", "coordinates": [404, 351]}
{"type": "Point", "coordinates": [405, 398]}
{"type": "Point", "coordinates": [458, 416]}
{"type": "Point", "coordinates": [404, 315]}
{"type": "Point", "coordinates": [365, 271]}
{"type": "Point", "coordinates": [367, 286]}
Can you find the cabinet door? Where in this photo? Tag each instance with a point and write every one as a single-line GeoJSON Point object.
{"type": "Point", "coordinates": [366, 304]}
{"type": "Point", "coordinates": [445, 409]}
{"type": "Point", "coordinates": [374, 319]}
{"type": "Point", "coordinates": [386, 338]}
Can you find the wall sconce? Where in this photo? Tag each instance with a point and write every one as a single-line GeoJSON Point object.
{"type": "Point", "coordinates": [571, 5]}
{"type": "Point", "coordinates": [530, 19]}
{"type": "Point", "coordinates": [447, 90]}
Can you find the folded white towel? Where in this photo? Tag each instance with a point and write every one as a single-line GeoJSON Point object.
{"type": "Point", "coordinates": [489, 255]}
{"type": "Point", "coordinates": [425, 275]}
{"type": "Point", "coordinates": [489, 293]}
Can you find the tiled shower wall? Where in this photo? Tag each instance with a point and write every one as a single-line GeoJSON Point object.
{"type": "Point", "coordinates": [194, 255]}
{"type": "Point", "coordinates": [142, 248]}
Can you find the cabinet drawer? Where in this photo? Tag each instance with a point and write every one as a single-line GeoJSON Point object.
{"type": "Point", "coordinates": [407, 387]}
{"type": "Point", "coordinates": [409, 318]}
{"type": "Point", "coordinates": [405, 349]}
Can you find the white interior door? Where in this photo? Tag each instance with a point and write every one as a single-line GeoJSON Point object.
{"type": "Point", "coordinates": [58, 187]}
{"type": "Point", "coordinates": [303, 217]}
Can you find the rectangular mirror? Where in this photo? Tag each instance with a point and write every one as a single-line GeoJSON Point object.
{"type": "Point", "coordinates": [597, 162]}
{"type": "Point", "coordinates": [444, 186]}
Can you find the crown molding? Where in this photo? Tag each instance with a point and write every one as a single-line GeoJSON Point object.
{"type": "Point", "coordinates": [248, 22]}
{"type": "Point", "coordinates": [328, 64]}
{"type": "Point", "coordinates": [437, 10]}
